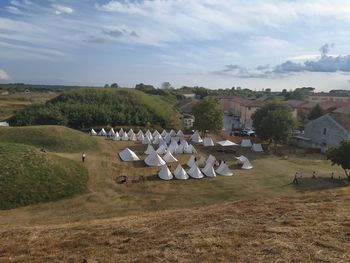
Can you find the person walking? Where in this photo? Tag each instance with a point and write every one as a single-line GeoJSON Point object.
{"type": "Point", "coordinates": [83, 156]}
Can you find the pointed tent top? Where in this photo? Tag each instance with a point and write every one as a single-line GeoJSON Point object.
{"type": "Point", "coordinates": [125, 137]}
{"type": "Point", "coordinates": [128, 155]}
{"type": "Point", "coordinates": [172, 133]}
{"type": "Point", "coordinates": [93, 132]}
{"type": "Point", "coordinates": [190, 149]}
{"type": "Point", "coordinates": [208, 170]}
{"type": "Point", "coordinates": [154, 160]}
{"type": "Point", "coordinates": [224, 170]}
{"type": "Point", "coordinates": [227, 143]}
{"type": "Point", "coordinates": [180, 133]}
{"type": "Point", "coordinates": [139, 133]}
{"type": "Point", "coordinates": [133, 137]}
{"type": "Point", "coordinates": [180, 173]}
{"type": "Point", "coordinates": [121, 131]}
{"type": "Point", "coordinates": [102, 132]}
{"type": "Point", "coordinates": [146, 140]}
{"type": "Point", "coordinates": [194, 172]}
{"type": "Point", "coordinates": [211, 159]}
{"type": "Point", "coordinates": [111, 132]}
{"type": "Point", "coordinates": [196, 138]}
{"type": "Point", "coordinates": [165, 173]}
{"type": "Point", "coordinates": [169, 158]}
{"type": "Point", "coordinates": [116, 137]}
{"type": "Point", "coordinates": [161, 149]}
{"type": "Point", "coordinates": [156, 133]}
{"type": "Point", "coordinates": [140, 137]}
{"type": "Point", "coordinates": [149, 149]}
{"type": "Point", "coordinates": [208, 142]}
{"type": "Point", "coordinates": [164, 133]}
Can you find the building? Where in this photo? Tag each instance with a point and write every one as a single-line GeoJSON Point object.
{"type": "Point", "coordinates": [331, 96]}
{"type": "Point", "coordinates": [324, 132]}
{"type": "Point", "coordinates": [188, 120]}
{"type": "Point", "coordinates": [345, 109]}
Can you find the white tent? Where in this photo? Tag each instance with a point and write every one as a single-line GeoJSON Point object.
{"type": "Point", "coordinates": [111, 132]}
{"type": "Point", "coordinates": [165, 173]}
{"type": "Point", "coordinates": [257, 147]}
{"type": "Point", "coordinates": [191, 161]}
{"type": "Point", "coordinates": [177, 138]}
{"type": "Point", "coordinates": [190, 149]}
{"type": "Point", "coordinates": [155, 133]}
{"type": "Point", "coordinates": [246, 143]}
{"type": "Point", "coordinates": [208, 170]}
{"type": "Point", "coordinates": [242, 159]}
{"type": "Point", "coordinates": [146, 140]}
{"type": "Point", "coordinates": [227, 143]}
{"type": "Point", "coordinates": [93, 132]}
{"type": "Point", "coordinates": [179, 149]}
{"type": "Point", "coordinates": [172, 148]}
{"type": "Point", "coordinates": [130, 133]}
{"type": "Point", "coordinates": [211, 159]}
{"type": "Point", "coordinates": [149, 149]}
{"type": "Point", "coordinates": [157, 138]}
{"type": "Point", "coordinates": [121, 132]}
{"type": "Point", "coordinates": [180, 173]}
{"type": "Point", "coordinates": [102, 132]}
{"type": "Point", "coordinates": [196, 137]}
{"type": "Point", "coordinates": [172, 133]}
{"type": "Point", "coordinates": [125, 137]}
{"type": "Point", "coordinates": [116, 137]}
{"type": "Point", "coordinates": [154, 160]}
{"type": "Point", "coordinates": [167, 138]}
{"type": "Point", "coordinates": [208, 142]}
{"type": "Point", "coordinates": [128, 155]}
{"type": "Point", "coordinates": [149, 135]}
{"type": "Point", "coordinates": [184, 143]}
{"type": "Point", "coordinates": [247, 165]}
{"type": "Point", "coordinates": [194, 172]}
{"type": "Point", "coordinates": [133, 137]}
{"type": "Point", "coordinates": [169, 158]}
{"type": "Point", "coordinates": [162, 142]}
{"type": "Point", "coordinates": [173, 142]}
{"type": "Point", "coordinates": [164, 133]}
{"type": "Point", "coordinates": [140, 137]}
{"type": "Point", "coordinates": [161, 149]}
{"type": "Point", "coordinates": [139, 133]}
{"type": "Point", "coordinates": [224, 170]}
{"type": "Point", "coordinates": [201, 162]}
{"type": "Point", "coordinates": [179, 133]}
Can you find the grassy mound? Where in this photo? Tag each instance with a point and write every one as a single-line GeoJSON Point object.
{"type": "Point", "coordinates": [53, 138]}
{"type": "Point", "coordinates": [28, 176]}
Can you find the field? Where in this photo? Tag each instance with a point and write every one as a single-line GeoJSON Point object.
{"type": "Point", "coordinates": [19, 100]}
{"type": "Point", "coordinates": [204, 219]}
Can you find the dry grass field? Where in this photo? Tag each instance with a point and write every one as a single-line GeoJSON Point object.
{"type": "Point", "coordinates": [253, 216]}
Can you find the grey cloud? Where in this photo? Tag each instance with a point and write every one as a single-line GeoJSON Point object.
{"type": "Point", "coordinates": [325, 49]}
{"type": "Point", "coordinates": [121, 32]}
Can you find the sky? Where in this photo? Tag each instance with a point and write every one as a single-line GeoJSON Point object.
{"type": "Point", "coordinates": [277, 44]}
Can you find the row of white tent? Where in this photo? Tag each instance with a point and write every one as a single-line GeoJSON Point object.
{"type": "Point", "coordinates": [148, 133]}
{"type": "Point", "coordinates": [246, 143]}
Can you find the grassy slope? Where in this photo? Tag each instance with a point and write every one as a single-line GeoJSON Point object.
{"type": "Point", "coordinates": [19, 100]}
{"type": "Point", "coordinates": [28, 176]}
{"type": "Point", "coordinates": [53, 138]}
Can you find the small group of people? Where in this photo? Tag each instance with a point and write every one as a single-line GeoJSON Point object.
{"type": "Point", "coordinates": [296, 176]}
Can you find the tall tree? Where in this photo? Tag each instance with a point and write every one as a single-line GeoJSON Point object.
{"type": "Point", "coordinates": [274, 121]}
{"type": "Point", "coordinates": [166, 85]}
{"type": "Point", "coordinates": [341, 156]}
{"type": "Point", "coordinates": [316, 112]}
{"type": "Point", "coordinates": [208, 115]}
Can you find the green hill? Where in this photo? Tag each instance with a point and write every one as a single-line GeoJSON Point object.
{"type": "Point", "coordinates": [53, 138]}
{"type": "Point", "coordinates": [28, 176]}
{"type": "Point", "coordinates": [91, 107]}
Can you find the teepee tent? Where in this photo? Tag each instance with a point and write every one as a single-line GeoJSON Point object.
{"type": "Point", "coordinates": [149, 135]}
{"type": "Point", "coordinates": [111, 132]}
{"type": "Point", "coordinates": [227, 143]}
{"type": "Point", "coordinates": [161, 149]}
{"type": "Point", "coordinates": [162, 142]}
{"type": "Point", "coordinates": [242, 158]}
{"type": "Point", "coordinates": [128, 155]}
{"type": "Point", "coordinates": [208, 170]}
{"type": "Point", "coordinates": [149, 149]}
{"type": "Point", "coordinates": [211, 159]}
{"type": "Point", "coordinates": [172, 133]}
{"type": "Point", "coordinates": [169, 158]}
{"type": "Point", "coordinates": [201, 162]}
{"type": "Point", "coordinates": [102, 132]}
{"type": "Point", "coordinates": [191, 161]}
{"type": "Point", "coordinates": [125, 137]}
{"type": "Point", "coordinates": [116, 137]}
{"type": "Point", "coordinates": [130, 133]}
{"type": "Point", "coordinates": [155, 133]}
{"type": "Point", "coordinates": [184, 143]}
{"type": "Point", "coordinates": [196, 137]}
{"type": "Point", "coordinates": [140, 137]}
{"type": "Point", "coordinates": [172, 148]}
{"type": "Point", "coordinates": [194, 172]}
{"type": "Point", "coordinates": [164, 133]}
{"type": "Point", "coordinates": [157, 138]}
{"type": "Point", "coordinates": [180, 173]}
{"type": "Point", "coordinates": [133, 137]}
{"type": "Point", "coordinates": [154, 160]}
{"type": "Point", "coordinates": [224, 170]}
{"type": "Point", "coordinates": [247, 165]}
{"type": "Point", "coordinates": [121, 132]}
{"type": "Point", "coordinates": [246, 143]}
{"type": "Point", "coordinates": [179, 133]}
{"type": "Point", "coordinates": [167, 138]}
{"type": "Point", "coordinates": [208, 142]}
{"type": "Point", "coordinates": [179, 149]}
{"type": "Point", "coordinates": [146, 140]}
{"type": "Point", "coordinates": [257, 147]}
{"type": "Point", "coordinates": [139, 133]}
{"type": "Point", "coordinates": [190, 149]}
{"type": "Point", "coordinates": [165, 173]}
{"type": "Point", "coordinates": [93, 132]}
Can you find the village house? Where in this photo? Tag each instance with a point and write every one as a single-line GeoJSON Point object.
{"type": "Point", "coordinates": [337, 96]}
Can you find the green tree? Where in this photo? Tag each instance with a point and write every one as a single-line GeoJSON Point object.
{"type": "Point", "coordinates": [114, 85]}
{"type": "Point", "coordinates": [316, 112]}
{"type": "Point", "coordinates": [341, 156]}
{"type": "Point", "coordinates": [208, 115]}
{"type": "Point", "coordinates": [274, 122]}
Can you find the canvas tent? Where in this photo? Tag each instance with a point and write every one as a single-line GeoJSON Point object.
{"type": "Point", "coordinates": [167, 138]}
{"type": "Point", "coordinates": [140, 137]}
{"type": "Point", "coordinates": [242, 158]}
{"type": "Point", "coordinates": [246, 143]}
{"type": "Point", "coordinates": [227, 143]}
{"type": "Point", "coordinates": [128, 155]}
{"type": "Point", "coordinates": [146, 140]}
{"type": "Point", "coordinates": [172, 133]}
{"type": "Point", "coordinates": [164, 133]}
{"type": "Point", "coordinates": [130, 132]}
{"type": "Point", "coordinates": [125, 137]}
{"type": "Point", "coordinates": [190, 149]}
{"type": "Point", "coordinates": [162, 142]}
{"type": "Point", "coordinates": [102, 132]}
{"type": "Point", "coordinates": [116, 137]}
{"type": "Point", "coordinates": [184, 143]}
{"type": "Point", "coordinates": [169, 158]}
{"type": "Point", "coordinates": [247, 165]}
{"type": "Point", "coordinates": [157, 138]}
{"type": "Point", "coordinates": [133, 137]}
{"type": "Point", "coordinates": [149, 149]}
{"type": "Point", "coordinates": [208, 170]}
{"type": "Point", "coordinates": [93, 132]}
{"type": "Point", "coordinates": [155, 133]}
{"type": "Point", "coordinates": [224, 170]}
{"type": "Point", "coordinates": [161, 149]}
{"type": "Point", "coordinates": [196, 137]}
{"type": "Point", "coordinates": [139, 133]}
{"type": "Point", "coordinates": [257, 147]}
{"type": "Point", "coordinates": [194, 172]}
{"type": "Point", "coordinates": [179, 133]}
{"type": "Point", "coordinates": [111, 132]}
{"type": "Point", "coordinates": [201, 162]}
{"type": "Point", "coordinates": [179, 149]}
{"type": "Point", "coordinates": [154, 160]}
{"type": "Point", "coordinates": [165, 173]}
{"type": "Point", "coordinates": [191, 161]}
{"type": "Point", "coordinates": [211, 159]}
{"type": "Point", "coordinates": [208, 142]}
{"type": "Point", "coordinates": [172, 148]}
{"type": "Point", "coordinates": [180, 173]}
{"type": "Point", "coordinates": [121, 132]}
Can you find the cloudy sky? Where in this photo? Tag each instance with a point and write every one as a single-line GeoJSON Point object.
{"type": "Point", "coordinates": [213, 43]}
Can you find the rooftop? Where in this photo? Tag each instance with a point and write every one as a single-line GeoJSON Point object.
{"type": "Point", "coordinates": [342, 119]}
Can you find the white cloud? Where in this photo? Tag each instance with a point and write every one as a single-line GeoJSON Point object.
{"type": "Point", "coordinates": [4, 75]}
{"type": "Point", "coordinates": [61, 9]}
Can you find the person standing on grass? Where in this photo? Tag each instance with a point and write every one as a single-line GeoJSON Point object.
{"type": "Point", "coordinates": [83, 156]}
